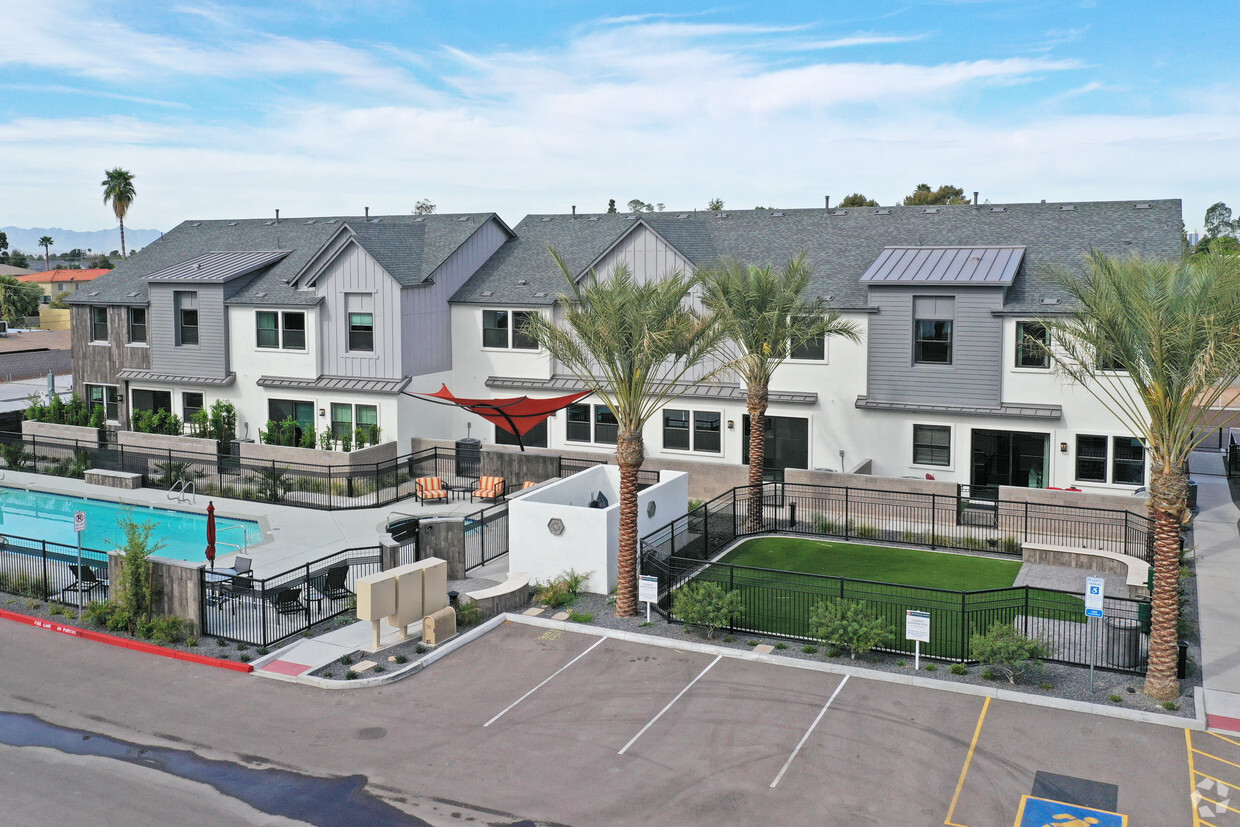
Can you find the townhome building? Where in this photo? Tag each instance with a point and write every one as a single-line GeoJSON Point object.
{"type": "Point", "coordinates": [324, 320]}
{"type": "Point", "coordinates": [944, 382]}
{"type": "Point", "coordinates": [336, 321]}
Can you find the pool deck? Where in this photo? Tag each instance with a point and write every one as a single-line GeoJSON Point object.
{"type": "Point", "coordinates": [291, 536]}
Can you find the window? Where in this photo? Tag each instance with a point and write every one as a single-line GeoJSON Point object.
{"type": "Point", "coordinates": [98, 324]}
{"type": "Point", "coordinates": [146, 400]}
{"type": "Point", "coordinates": [45, 299]}
{"type": "Point", "coordinates": [286, 329]}
{"type": "Point", "coordinates": [348, 419]}
{"type": "Point", "coordinates": [932, 445]}
{"type": "Point", "coordinates": [811, 350]}
{"type": "Point", "coordinates": [1031, 340]}
{"type": "Point", "coordinates": [1091, 458]}
{"type": "Point", "coordinates": [60, 288]}
{"type": "Point", "coordinates": [137, 325]}
{"type": "Point", "coordinates": [1127, 461]}
{"type": "Point", "coordinates": [602, 427]}
{"type": "Point", "coordinates": [1107, 361]}
{"type": "Point", "coordinates": [360, 308]}
{"type": "Point", "coordinates": [106, 396]}
{"type": "Point", "coordinates": [186, 304]}
{"type": "Point", "coordinates": [703, 436]}
{"type": "Point", "coordinates": [506, 329]}
{"type": "Point", "coordinates": [932, 330]}
{"type": "Point", "coordinates": [191, 404]}
{"type": "Point", "coordinates": [536, 438]}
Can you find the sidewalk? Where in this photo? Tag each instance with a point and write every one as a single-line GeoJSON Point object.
{"type": "Point", "coordinates": [1218, 589]}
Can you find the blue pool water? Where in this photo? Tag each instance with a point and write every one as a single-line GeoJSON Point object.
{"type": "Point", "coordinates": [43, 516]}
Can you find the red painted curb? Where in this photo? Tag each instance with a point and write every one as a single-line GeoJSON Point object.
{"type": "Point", "coordinates": [125, 643]}
{"type": "Point", "coordinates": [1224, 723]}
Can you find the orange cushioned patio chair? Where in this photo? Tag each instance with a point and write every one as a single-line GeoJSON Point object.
{"type": "Point", "coordinates": [430, 488]}
{"type": "Point", "coordinates": [489, 488]}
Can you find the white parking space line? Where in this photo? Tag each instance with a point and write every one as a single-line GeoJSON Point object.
{"type": "Point", "coordinates": [809, 732]}
{"type": "Point", "coordinates": [650, 723]}
{"type": "Point", "coordinates": [545, 682]}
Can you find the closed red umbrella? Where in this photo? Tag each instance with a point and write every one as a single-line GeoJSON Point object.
{"type": "Point", "coordinates": [211, 533]}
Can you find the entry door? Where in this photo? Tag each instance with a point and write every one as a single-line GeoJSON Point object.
{"type": "Point", "coordinates": [1014, 458]}
{"type": "Point", "coordinates": [787, 445]}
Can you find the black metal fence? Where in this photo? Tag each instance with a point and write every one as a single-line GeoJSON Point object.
{"type": "Point", "coordinates": [486, 535]}
{"type": "Point", "coordinates": [779, 604]}
{"type": "Point", "coordinates": [931, 520]}
{"type": "Point", "coordinates": [265, 611]}
{"type": "Point", "coordinates": [44, 570]}
{"type": "Point", "coordinates": [1233, 457]}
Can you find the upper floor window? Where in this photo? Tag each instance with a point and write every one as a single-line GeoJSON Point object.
{"type": "Point", "coordinates": [1032, 339]}
{"type": "Point", "coordinates": [361, 321]}
{"type": "Point", "coordinates": [691, 430]}
{"type": "Point", "coordinates": [602, 427]}
{"type": "Point", "coordinates": [185, 303]}
{"type": "Point", "coordinates": [506, 329]}
{"type": "Point", "coordinates": [281, 329]}
{"type": "Point", "coordinates": [811, 350]}
{"type": "Point", "coordinates": [137, 325]}
{"type": "Point", "coordinates": [932, 329]}
{"type": "Point", "coordinates": [98, 324]}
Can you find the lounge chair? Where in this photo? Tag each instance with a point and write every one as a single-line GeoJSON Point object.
{"type": "Point", "coordinates": [489, 488]}
{"type": "Point", "coordinates": [332, 585]}
{"type": "Point", "coordinates": [243, 566]}
{"type": "Point", "coordinates": [288, 601]}
{"type": "Point", "coordinates": [429, 488]}
{"type": "Point", "coordinates": [84, 580]}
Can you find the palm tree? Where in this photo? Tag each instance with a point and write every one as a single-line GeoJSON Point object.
{"type": "Point", "coordinates": [46, 243]}
{"type": "Point", "coordinates": [631, 344]}
{"type": "Point", "coordinates": [1173, 330]}
{"type": "Point", "coordinates": [118, 190]}
{"type": "Point", "coordinates": [766, 317]}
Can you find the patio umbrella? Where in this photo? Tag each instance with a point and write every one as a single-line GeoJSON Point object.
{"type": "Point", "coordinates": [211, 534]}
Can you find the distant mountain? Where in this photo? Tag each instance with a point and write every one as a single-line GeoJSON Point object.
{"type": "Point", "coordinates": [26, 239]}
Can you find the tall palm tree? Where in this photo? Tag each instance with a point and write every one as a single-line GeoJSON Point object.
{"type": "Point", "coordinates": [631, 344]}
{"type": "Point", "coordinates": [118, 190]}
{"type": "Point", "coordinates": [1173, 329]}
{"type": "Point", "coordinates": [766, 317]}
{"type": "Point", "coordinates": [46, 243]}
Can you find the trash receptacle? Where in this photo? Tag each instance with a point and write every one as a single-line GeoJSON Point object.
{"type": "Point", "coordinates": [469, 458]}
{"type": "Point", "coordinates": [1123, 643]}
{"type": "Point", "coordinates": [1192, 496]}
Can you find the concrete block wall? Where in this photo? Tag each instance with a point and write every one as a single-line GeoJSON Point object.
{"type": "Point", "coordinates": [167, 442]}
{"type": "Point", "coordinates": [313, 456]}
{"type": "Point", "coordinates": [87, 436]}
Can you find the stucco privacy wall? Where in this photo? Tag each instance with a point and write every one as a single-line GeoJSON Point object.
{"type": "Point", "coordinates": [589, 539]}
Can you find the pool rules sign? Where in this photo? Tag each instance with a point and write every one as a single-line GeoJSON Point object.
{"type": "Point", "coordinates": [917, 629]}
{"type": "Point", "coordinates": [79, 525]}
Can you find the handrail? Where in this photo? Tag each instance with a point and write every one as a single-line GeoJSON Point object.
{"type": "Point", "coordinates": [183, 490]}
{"type": "Point", "coordinates": [245, 537]}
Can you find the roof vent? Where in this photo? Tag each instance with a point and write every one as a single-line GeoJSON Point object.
{"type": "Point", "coordinates": [311, 221]}
{"type": "Point", "coordinates": [375, 220]}
{"type": "Point", "coordinates": [232, 223]}
{"type": "Point", "coordinates": [133, 294]}
{"type": "Point", "coordinates": [630, 218]}
{"type": "Point", "coordinates": [523, 281]}
{"type": "Point", "coordinates": [777, 215]}
{"type": "Point", "coordinates": [828, 297]}
{"type": "Point", "coordinates": [546, 218]}
{"type": "Point", "coordinates": [721, 215]}
{"type": "Point", "coordinates": [331, 221]}
{"type": "Point", "coordinates": [542, 294]}
{"type": "Point", "coordinates": [419, 219]}
{"type": "Point", "coordinates": [487, 293]}
{"type": "Point", "coordinates": [268, 223]}
{"type": "Point", "coordinates": [1050, 301]}
{"type": "Point", "coordinates": [839, 212]}
{"type": "Point", "coordinates": [930, 211]}
{"type": "Point", "coordinates": [1140, 206]}
{"type": "Point", "coordinates": [197, 265]}
{"type": "Point", "coordinates": [262, 294]}
{"type": "Point", "coordinates": [883, 211]}
{"type": "Point", "coordinates": [683, 215]}
{"type": "Point", "coordinates": [592, 218]}
{"type": "Point", "coordinates": [463, 218]}
{"type": "Point", "coordinates": [196, 224]}
{"type": "Point", "coordinates": [998, 209]}
{"type": "Point", "coordinates": [93, 293]}
{"type": "Point", "coordinates": [1067, 207]}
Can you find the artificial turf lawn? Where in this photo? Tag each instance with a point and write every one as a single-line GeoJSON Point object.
{"type": "Point", "coordinates": [906, 566]}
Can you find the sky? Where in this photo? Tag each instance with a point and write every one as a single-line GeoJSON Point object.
{"type": "Point", "coordinates": [325, 107]}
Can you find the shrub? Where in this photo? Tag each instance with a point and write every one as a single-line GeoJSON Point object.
{"type": "Point", "coordinates": [420, 649]}
{"type": "Point", "coordinates": [172, 472]}
{"type": "Point", "coordinates": [16, 456]}
{"type": "Point", "coordinates": [809, 649]}
{"type": "Point", "coordinates": [402, 658]}
{"type": "Point", "coordinates": [868, 532]}
{"type": "Point", "coordinates": [990, 675]}
{"type": "Point", "coordinates": [246, 658]}
{"type": "Point", "coordinates": [23, 584]}
{"type": "Point", "coordinates": [958, 669]}
{"type": "Point", "coordinates": [1010, 545]}
{"type": "Point", "coordinates": [1006, 649]}
{"type": "Point", "coordinates": [380, 668]}
{"type": "Point", "coordinates": [694, 504]}
{"type": "Point", "coordinates": [1169, 706]}
{"type": "Point", "coordinates": [931, 667]}
{"type": "Point", "coordinates": [825, 525]}
{"type": "Point", "coordinates": [1117, 699]}
{"type": "Point", "coordinates": [562, 589]}
{"type": "Point", "coordinates": [271, 483]}
{"type": "Point", "coordinates": [134, 599]}
{"type": "Point", "coordinates": [346, 660]}
{"type": "Point", "coordinates": [581, 617]}
{"type": "Point", "coordinates": [707, 606]}
{"type": "Point", "coordinates": [848, 623]}
{"type": "Point", "coordinates": [350, 675]}
{"type": "Point", "coordinates": [191, 641]}
{"type": "Point", "coordinates": [781, 646]}
{"type": "Point", "coordinates": [468, 614]}
{"type": "Point", "coordinates": [169, 629]}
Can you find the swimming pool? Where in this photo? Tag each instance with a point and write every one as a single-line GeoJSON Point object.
{"type": "Point", "coordinates": [45, 516]}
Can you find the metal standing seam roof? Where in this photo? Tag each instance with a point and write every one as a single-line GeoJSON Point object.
{"type": "Point", "coordinates": [335, 383]}
{"type": "Point", "coordinates": [218, 267]}
{"type": "Point", "coordinates": [985, 266]}
{"type": "Point", "coordinates": [140, 375]}
{"type": "Point", "coordinates": [719, 391]}
{"type": "Point", "coordinates": [1021, 411]}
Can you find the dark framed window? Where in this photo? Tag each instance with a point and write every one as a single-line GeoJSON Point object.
{"type": "Point", "coordinates": [495, 328]}
{"type": "Point", "coordinates": [342, 420]}
{"type": "Point", "coordinates": [361, 331]}
{"type": "Point", "coordinates": [186, 303]}
{"type": "Point", "coordinates": [520, 339]}
{"type": "Point", "coordinates": [98, 324]}
{"type": "Point", "coordinates": [707, 431]}
{"type": "Point", "coordinates": [536, 438]}
{"type": "Point", "coordinates": [675, 429]}
{"type": "Point", "coordinates": [1127, 461]}
{"type": "Point", "coordinates": [691, 430]}
{"type": "Point", "coordinates": [266, 329]}
{"type": "Point", "coordinates": [293, 330]}
{"type": "Point", "coordinates": [591, 423]}
{"type": "Point", "coordinates": [606, 426]}
{"type": "Point", "coordinates": [137, 325]}
{"type": "Point", "coordinates": [191, 404]}
{"type": "Point", "coordinates": [45, 299]}
{"type": "Point", "coordinates": [148, 400]}
{"type": "Point", "coordinates": [107, 396]}
{"type": "Point", "coordinates": [1091, 458]}
{"type": "Point", "coordinates": [932, 445]}
{"type": "Point", "coordinates": [932, 342]}
{"type": "Point", "coordinates": [578, 427]}
{"type": "Point", "coordinates": [1032, 339]}
{"type": "Point", "coordinates": [1108, 361]}
{"type": "Point", "coordinates": [811, 350]}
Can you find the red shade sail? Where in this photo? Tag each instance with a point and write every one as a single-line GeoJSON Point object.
{"type": "Point", "coordinates": [211, 533]}
{"type": "Point", "coordinates": [517, 415]}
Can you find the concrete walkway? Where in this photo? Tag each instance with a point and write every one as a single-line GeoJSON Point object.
{"type": "Point", "coordinates": [1218, 592]}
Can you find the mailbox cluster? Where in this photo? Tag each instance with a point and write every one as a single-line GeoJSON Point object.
{"type": "Point", "coordinates": [406, 594]}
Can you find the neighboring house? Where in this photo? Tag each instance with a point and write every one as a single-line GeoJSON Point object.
{"type": "Point", "coordinates": [321, 319]}
{"type": "Point", "coordinates": [55, 283]}
{"type": "Point", "coordinates": [10, 270]}
{"type": "Point", "coordinates": [939, 384]}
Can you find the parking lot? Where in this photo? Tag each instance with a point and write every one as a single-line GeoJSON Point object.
{"type": "Point", "coordinates": [625, 728]}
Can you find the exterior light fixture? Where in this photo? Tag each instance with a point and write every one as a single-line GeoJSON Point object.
{"type": "Point", "coordinates": [1063, 447]}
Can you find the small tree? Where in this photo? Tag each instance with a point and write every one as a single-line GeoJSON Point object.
{"type": "Point", "coordinates": [135, 598]}
{"type": "Point", "coordinates": [1007, 650]}
{"type": "Point", "coordinates": [707, 605]}
{"type": "Point", "coordinates": [848, 623]}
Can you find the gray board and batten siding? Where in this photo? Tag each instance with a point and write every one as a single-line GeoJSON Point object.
{"type": "Point", "coordinates": [354, 275]}
{"type": "Point", "coordinates": [208, 358]}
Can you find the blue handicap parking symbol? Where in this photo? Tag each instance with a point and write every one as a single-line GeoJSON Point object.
{"type": "Point", "coordinates": [1043, 812]}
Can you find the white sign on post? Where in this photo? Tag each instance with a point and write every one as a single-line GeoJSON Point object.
{"type": "Point", "coordinates": [1094, 590]}
{"type": "Point", "coordinates": [79, 521]}
{"type": "Point", "coordinates": [648, 591]}
{"type": "Point", "coordinates": [79, 525]}
{"type": "Point", "coordinates": [917, 629]}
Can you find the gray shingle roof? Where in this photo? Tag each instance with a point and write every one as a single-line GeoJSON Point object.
{"type": "Point", "coordinates": [407, 246]}
{"type": "Point", "coordinates": [841, 244]}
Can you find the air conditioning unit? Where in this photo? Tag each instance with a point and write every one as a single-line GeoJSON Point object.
{"type": "Point", "coordinates": [4, 328]}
